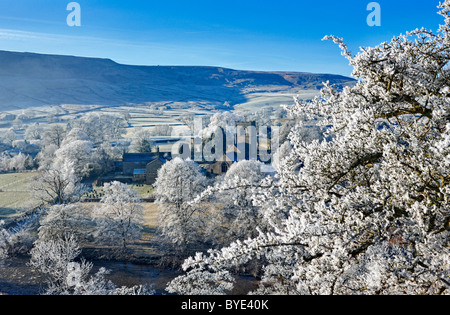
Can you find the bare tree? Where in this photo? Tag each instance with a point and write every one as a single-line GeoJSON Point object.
{"type": "Point", "coordinates": [57, 184]}
{"type": "Point", "coordinates": [55, 135]}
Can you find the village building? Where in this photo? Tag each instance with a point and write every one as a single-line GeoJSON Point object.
{"type": "Point", "coordinates": [246, 144]}
{"type": "Point", "coordinates": [151, 170]}
{"type": "Point", "coordinates": [219, 167]}
{"type": "Point", "coordinates": [141, 168]}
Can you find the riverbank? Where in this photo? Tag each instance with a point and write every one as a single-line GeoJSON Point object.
{"type": "Point", "coordinates": [145, 262]}
{"type": "Point", "coordinates": [17, 278]}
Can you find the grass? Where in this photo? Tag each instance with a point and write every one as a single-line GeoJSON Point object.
{"type": "Point", "coordinates": [15, 195]}
{"type": "Point", "coordinates": [142, 247]}
{"type": "Point", "coordinates": [144, 191]}
{"type": "Point", "coordinates": [151, 213]}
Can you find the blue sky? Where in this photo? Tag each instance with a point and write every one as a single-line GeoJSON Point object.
{"type": "Point", "coordinates": [276, 35]}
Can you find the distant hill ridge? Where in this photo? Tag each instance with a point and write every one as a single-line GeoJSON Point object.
{"type": "Point", "coordinates": [30, 79]}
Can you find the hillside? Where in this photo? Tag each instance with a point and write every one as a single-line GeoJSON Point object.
{"type": "Point", "coordinates": [34, 80]}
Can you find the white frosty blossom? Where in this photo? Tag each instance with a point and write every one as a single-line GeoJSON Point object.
{"type": "Point", "coordinates": [365, 210]}
{"type": "Point", "coordinates": [4, 241]}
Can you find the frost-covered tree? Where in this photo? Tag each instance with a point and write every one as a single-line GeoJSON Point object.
{"type": "Point", "coordinates": [223, 120]}
{"type": "Point", "coordinates": [120, 216]}
{"type": "Point", "coordinates": [75, 134]}
{"type": "Point", "coordinates": [56, 258]}
{"type": "Point", "coordinates": [141, 142]}
{"type": "Point", "coordinates": [33, 132]}
{"type": "Point", "coordinates": [57, 184]}
{"type": "Point", "coordinates": [105, 156]}
{"type": "Point", "coordinates": [189, 120]}
{"type": "Point", "coordinates": [51, 257]}
{"type": "Point", "coordinates": [14, 163]}
{"type": "Point", "coordinates": [199, 282]}
{"type": "Point", "coordinates": [238, 217]}
{"type": "Point", "coordinates": [78, 151]}
{"type": "Point", "coordinates": [81, 283]}
{"type": "Point", "coordinates": [9, 136]}
{"type": "Point", "coordinates": [179, 182]}
{"type": "Point", "coordinates": [369, 208]}
{"type": "Point", "coordinates": [79, 154]}
{"type": "Point", "coordinates": [163, 130]}
{"type": "Point", "coordinates": [4, 242]}
{"type": "Point", "coordinates": [60, 220]}
{"type": "Point", "coordinates": [101, 127]}
{"type": "Point", "coordinates": [54, 136]}
{"type": "Point", "coordinates": [46, 156]}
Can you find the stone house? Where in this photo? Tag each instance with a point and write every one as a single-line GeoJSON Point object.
{"type": "Point", "coordinates": [219, 167]}
{"type": "Point", "coordinates": [143, 167]}
{"type": "Point", "coordinates": [151, 170]}
{"type": "Point", "coordinates": [134, 161]}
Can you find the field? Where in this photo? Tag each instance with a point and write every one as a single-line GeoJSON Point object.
{"type": "Point", "coordinates": [15, 195]}
{"type": "Point", "coordinates": [15, 199]}
{"type": "Point", "coordinates": [257, 101]}
{"type": "Point", "coordinates": [146, 115]}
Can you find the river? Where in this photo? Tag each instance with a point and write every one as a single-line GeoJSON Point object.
{"type": "Point", "coordinates": [16, 278]}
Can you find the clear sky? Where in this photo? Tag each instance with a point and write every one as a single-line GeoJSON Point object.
{"type": "Point", "coordinates": [277, 35]}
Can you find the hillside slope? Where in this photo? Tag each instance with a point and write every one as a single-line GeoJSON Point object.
{"type": "Point", "coordinates": [33, 80]}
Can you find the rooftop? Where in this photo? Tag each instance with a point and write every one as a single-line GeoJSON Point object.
{"type": "Point", "coordinates": [135, 157]}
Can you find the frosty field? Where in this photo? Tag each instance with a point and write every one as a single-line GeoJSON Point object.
{"type": "Point", "coordinates": [15, 196]}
